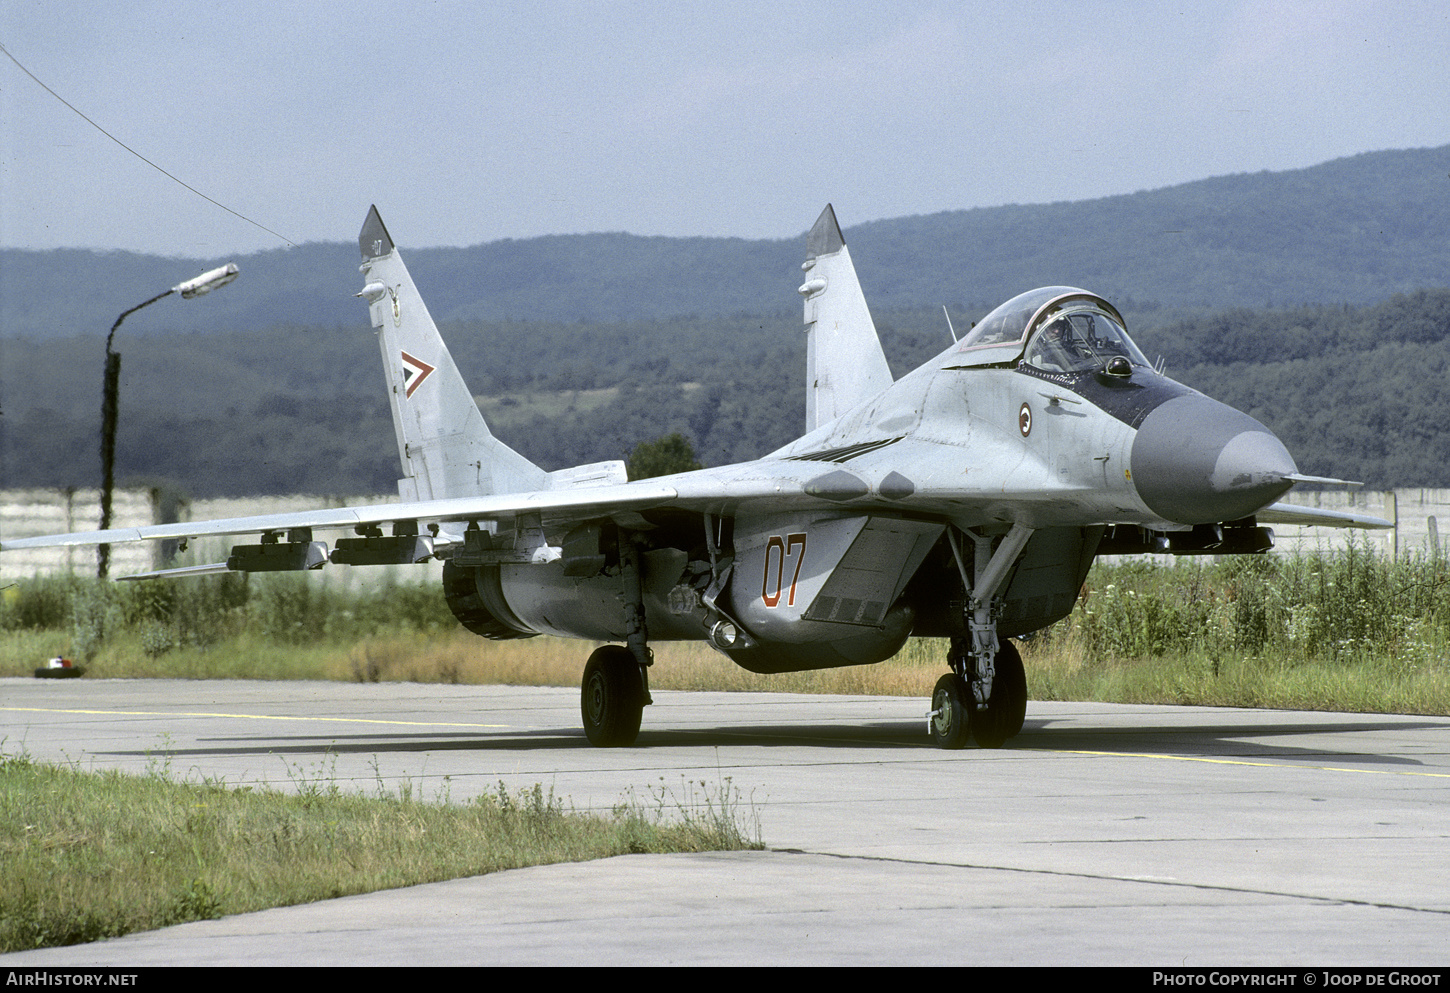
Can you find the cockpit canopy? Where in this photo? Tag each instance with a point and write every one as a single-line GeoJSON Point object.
{"type": "Point", "coordinates": [1064, 329]}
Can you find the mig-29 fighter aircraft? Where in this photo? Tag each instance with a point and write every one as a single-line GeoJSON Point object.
{"type": "Point", "coordinates": [964, 501]}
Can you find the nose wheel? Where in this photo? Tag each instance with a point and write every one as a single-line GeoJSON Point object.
{"type": "Point", "coordinates": [950, 720]}
{"type": "Point", "coordinates": [956, 716]}
{"type": "Point", "coordinates": [1001, 718]}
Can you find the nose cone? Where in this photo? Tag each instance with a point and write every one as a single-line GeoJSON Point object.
{"type": "Point", "coordinates": [1198, 461]}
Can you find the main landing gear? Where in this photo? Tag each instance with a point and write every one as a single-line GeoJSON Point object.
{"type": "Point", "coordinates": [612, 697]}
{"type": "Point", "coordinates": [615, 688]}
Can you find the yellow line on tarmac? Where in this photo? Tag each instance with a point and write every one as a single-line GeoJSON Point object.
{"type": "Point", "coordinates": [1265, 765]}
{"type": "Point", "coordinates": [253, 717]}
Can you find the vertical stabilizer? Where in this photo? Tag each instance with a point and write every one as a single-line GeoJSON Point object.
{"type": "Point", "coordinates": [446, 448]}
{"type": "Point", "coordinates": [845, 365]}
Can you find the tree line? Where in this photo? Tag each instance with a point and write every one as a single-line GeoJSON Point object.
{"type": "Point", "coordinates": [1354, 392]}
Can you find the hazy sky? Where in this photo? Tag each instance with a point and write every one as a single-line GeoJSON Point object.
{"type": "Point", "coordinates": [473, 121]}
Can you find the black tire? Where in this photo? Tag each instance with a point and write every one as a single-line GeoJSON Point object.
{"type": "Point", "coordinates": [951, 717]}
{"type": "Point", "coordinates": [1007, 707]}
{"type": "Point", "coordinates": [611, 697]}
{"type": "Point", "coordinates": [1016, 673]}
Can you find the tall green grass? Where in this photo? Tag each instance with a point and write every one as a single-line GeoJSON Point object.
{"type": "Point", "coordinates": [279, 626]}
{"type": "Point", "coordinates": [1352, 606]}
{"type": "Point", "coordinates": [1350, 630]}
{"type": "Point", "coordinates": [1347, 630]}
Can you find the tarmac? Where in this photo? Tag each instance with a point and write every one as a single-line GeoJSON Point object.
{"type": "Point", "coordinates": [1103, 835]}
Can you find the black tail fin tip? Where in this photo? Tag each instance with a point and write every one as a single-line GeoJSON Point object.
{"type": "Point", "coordinates": [373, 240]}
{"type": "Point", "coordinates": [825, 237]}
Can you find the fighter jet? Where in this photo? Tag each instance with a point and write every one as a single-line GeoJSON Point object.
{"type": "Point", "coordinates": [964, 501]}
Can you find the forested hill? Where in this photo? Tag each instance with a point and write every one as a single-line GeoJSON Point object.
{"type": "Point", "coordinates": [1354, 230]}
{"type": "Point", "coordinates": [1355, 392]}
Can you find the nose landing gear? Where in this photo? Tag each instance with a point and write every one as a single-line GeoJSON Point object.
{"type": "Point", "coordinates": [985, 694]}
{"type": "Point", "coordinates": [955, 714]}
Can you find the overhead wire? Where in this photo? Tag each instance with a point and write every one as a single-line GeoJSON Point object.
{"type": "Point", "coordinates": [138, 155]}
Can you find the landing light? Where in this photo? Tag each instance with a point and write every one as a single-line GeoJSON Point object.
{"type": "Point", "coordinates": [724, 634]}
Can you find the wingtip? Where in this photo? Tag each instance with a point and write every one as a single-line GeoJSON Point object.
{"type": "Point", "coordinates": [825, 237]}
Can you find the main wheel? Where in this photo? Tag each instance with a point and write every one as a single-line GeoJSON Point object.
{"type": "Point", "coordinates": [611, 697]}
{"type": "Point", "coordinates": [1007, 706]}
{"type": "Point", "coordinates": [951, 712]}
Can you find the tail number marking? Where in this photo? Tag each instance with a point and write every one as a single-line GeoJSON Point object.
{"type": "Point", "coordinates": [781, 550]}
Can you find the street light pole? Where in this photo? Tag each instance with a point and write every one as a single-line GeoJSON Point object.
{"type": "Point", "coordinates": [110, 395]}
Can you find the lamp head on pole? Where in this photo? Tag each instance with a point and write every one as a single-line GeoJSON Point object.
{"type": "Point", "coordinates": [207, 281]}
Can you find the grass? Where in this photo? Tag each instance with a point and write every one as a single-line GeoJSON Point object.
{"type": "Point", "coordinates": [1227, 679]}
{"type": "Point", "coordinates": [1348, 631]}
{"type": "Point", "coordinates": [85, 856]}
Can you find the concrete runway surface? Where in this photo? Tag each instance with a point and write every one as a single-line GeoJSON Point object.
{"type": "Point", "coordinates": [1105, 835]}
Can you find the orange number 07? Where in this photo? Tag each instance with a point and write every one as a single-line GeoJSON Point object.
{"type": "Point", "coordinates": [781, 549]}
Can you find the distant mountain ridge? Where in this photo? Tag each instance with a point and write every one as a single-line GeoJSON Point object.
{"type": "Point", "coordinates": [1354, 230]}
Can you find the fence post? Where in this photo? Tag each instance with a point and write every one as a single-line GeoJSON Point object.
{"type": "Point", "coordinates": [1394, 515]}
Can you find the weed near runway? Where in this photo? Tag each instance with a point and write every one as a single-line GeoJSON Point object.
{"type": "Point", "coordinates": [85, 856]}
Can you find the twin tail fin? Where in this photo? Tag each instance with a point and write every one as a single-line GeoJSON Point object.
{"type": "Point", "coordinates": [845, 365]}
{"type": "Point", "coordinates": [444, 444]}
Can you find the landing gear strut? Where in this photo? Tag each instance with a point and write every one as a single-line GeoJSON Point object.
{"type": "Point", "coordinates": [1001, 716]}
{"type": "Point", "coordinates": [985, 694]}
{"type": "Point", "coordinates": [615, 689]}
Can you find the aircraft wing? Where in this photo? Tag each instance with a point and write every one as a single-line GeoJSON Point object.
{"type": "Point", "coordinates": [705, 490]}
{"type": "Point", "coordinates": [708, 490]}
{"type": "Point", "coordinates": [581, 503]}
{"type": "Point", "coordinates": [1288, 513]}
